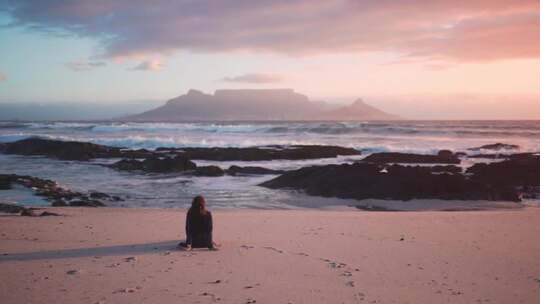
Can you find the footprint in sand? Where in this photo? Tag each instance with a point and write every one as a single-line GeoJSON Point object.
{"type": "Point", "coordinates": [113, 265]}
{"type": "Point", "coordinates": [130, 259]}
{"type": "Point", "coordinates": [211, 295]}
{"type": "Point", "coordinates": [127, 290]}
{"type": "Point", "coordinates": [334, 264]}
{"type": "Point", "coordinates": [273, 249]}
{"type": "Point", "coordinates": [347, 271]}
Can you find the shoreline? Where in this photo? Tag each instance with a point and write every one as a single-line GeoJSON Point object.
{"type": "Point", "coordinates": [169, 176]}
{"type": "Point", "coordinates": [321, 204]}
{"type": "Point", "coordinates": [127, 255]}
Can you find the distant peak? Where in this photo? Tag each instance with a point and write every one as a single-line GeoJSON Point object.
{"type": "Point", "coordinates": [194, 92]}
{"type": "Point", "coordinates": [359, 102]}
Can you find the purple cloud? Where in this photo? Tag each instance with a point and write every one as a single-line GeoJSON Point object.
{"type": "Point", "coordinates": [475, 30]}
{"type": "Point", "coordinates": [253, 78]}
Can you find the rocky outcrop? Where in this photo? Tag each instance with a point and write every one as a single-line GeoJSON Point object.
{"type": "Point", "coordinates": [11, 208]}
{"type": "Point", "coordinates": [82, 203]}
{"type": "Point", "coordinates": [523, 171]}
{"type": "Point", "coordinates": [295, 152]}
{"type": "Point", "coordinates": [443, 157]}
{"type": "Point", "coordinates": [446, 169]}
{"type": "Point", "coordinates": [24, 211]}
{"type": "Point", "coordinates": [213, 171]}
{"type": "Point", "coordinates": [156, 164]}
{"type": "Point", "coordinates": [251, 170]}
{"type": "Point", "coordinates": [5, 182]}
{"type": "Point", "coordinates": [514, 156]}
{"type": "Point", "coordinates": [183, 165]}
{"type": "Point", "coordinates": [83, 151]}
{"type": "Point", "coordinates": [495, 147]}
{"type": "Point", "coordinates": [65, 150]}
{"type": "Point", "coordinates": [57, 195]}
{"type": "Point", "coordinates": [368, 180]}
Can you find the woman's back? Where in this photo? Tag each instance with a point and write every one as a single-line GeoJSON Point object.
{"type": "Point", "coordinates": [199, 225]}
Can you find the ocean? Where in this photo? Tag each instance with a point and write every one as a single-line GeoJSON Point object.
{"type": "Point", "coordinates": [176, 190]}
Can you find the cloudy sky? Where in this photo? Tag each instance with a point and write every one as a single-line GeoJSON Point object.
{"type": "Point", "coordinates": [411, 55]}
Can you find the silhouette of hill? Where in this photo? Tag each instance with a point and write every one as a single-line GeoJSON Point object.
{"type": "Point", "coordinates": [271, 104]}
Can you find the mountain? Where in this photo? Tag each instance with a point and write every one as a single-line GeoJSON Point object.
{"type": "Point", "coordinates": [272, 104]}
{"type": "Point", "coordinates": [359, 110]}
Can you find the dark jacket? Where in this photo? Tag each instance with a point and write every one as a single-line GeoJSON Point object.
{"type": "Point", "coordinates": [199, 229]}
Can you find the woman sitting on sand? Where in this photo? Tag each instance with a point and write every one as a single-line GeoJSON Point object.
{"type": "Point", "coordinates": [198, 226]}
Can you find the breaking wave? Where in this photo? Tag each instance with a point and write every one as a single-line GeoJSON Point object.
{"type": "Point", "coordinates": [406, 136]}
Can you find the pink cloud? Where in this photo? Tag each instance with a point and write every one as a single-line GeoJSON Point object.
{"type": "Point", "coordinates": [475, 30]}
{"type": "Point", "coordinates": [3, 77]}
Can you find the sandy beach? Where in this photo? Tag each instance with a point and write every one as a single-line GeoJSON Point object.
{"type": "Point", "coordinates": [108, 255]}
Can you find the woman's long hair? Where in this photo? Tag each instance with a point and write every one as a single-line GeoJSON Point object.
{"type": "Point", "coordinates": [198, 206]}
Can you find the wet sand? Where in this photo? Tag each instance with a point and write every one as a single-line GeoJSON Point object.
{"type": "Point", "coordinates": [108, 255]}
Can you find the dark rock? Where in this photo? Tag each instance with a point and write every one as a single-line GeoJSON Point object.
{"type": "Point", "coordinates": [98, 195]}
{"type": "Point", "coordinates": [446, 154]}
{"type": "Point", "coordinates": [59, 203]}
{"type": "Point", "coordinates": [49, 189]}
{"type": "Point", "coordinates": [447, 169]}
{"type": "Point", "coordinates": [47, 213]}
{"type": "Point", "coordinates": [514, 156]}
{"type": "Point", "coordinates": [65, 150]}
{"type": "Point", "coordinates": [156, 164]}
{"type": "Point", "coordinates": [23, 211]}
{"type": "Point", "coordinates": [443, 157]}
{"type": "Point", "coordinates": [523, 171]}
{"type": "Point", "coordinates": [366, 180]}
{"type": "Point", "coordinates": [495, 147]}
{"type": "Point", "coordinates": [86, 203]}
{"type": "Point", "coordinates": [141, 153]}
{"type": "Point", "coordinates": [209, 171]}
{"type": "Point", "coordinates": [490, 156]}
{"type": "Point", "coordinates": [5, 182]}
{"type": "Point", "coordinates": [251, 170]}
{"type": "Point", "coordinates": [127, 165]}
{"type": "Point", "coordinates": [523, 156]}
{"type": "Point", "coordinates": [10, 208]}
{"type": "Point", "coordinates": [103, 196]}
{"type": "Point", "coordinates": [266, 153]}
{"type": "Point", "coordinates": [71, 150]}
{"type": "Point", "coordinates": [168, 164]}
{"type": "Point", "coordinates": [27, 212]}
{"type": "Point", "coordinates": [373, 208]}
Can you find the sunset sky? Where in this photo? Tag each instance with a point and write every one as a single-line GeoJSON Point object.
{"type": "Point", "coordinates": [410, 57]}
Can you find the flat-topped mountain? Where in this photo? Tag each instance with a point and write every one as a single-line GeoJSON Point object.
{"type": "Point", "coordinates": [271, 104]}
